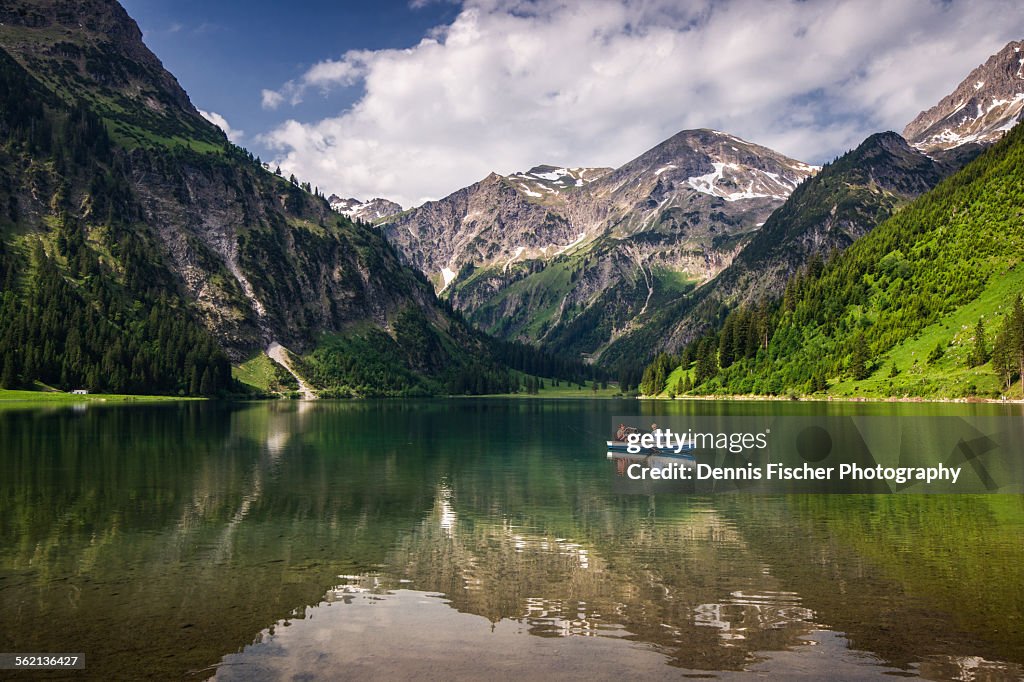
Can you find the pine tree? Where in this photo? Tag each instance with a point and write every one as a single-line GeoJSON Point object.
{"type": "Point", "coordinates": [707, 362]}
{"type": "Point", "coordinates": [859, 359]}
{"type": "Point", "coordinates": [725, 343]}
{"type": "Point", "coordinates": [979, 355]}
{"type": "Point", "coordinates": [1003, 362]}
{"type": "Point", "coordinates": [1016, 338]}
{"type": "Point", "coordinates": [9, 376]}
{"type": "Point", "coordinates": [647, 383]}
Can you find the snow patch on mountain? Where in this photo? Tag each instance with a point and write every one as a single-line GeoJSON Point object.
{"type": "Point", "coordinates": [574, 243]}
{"type": "Point", "coordinates": [368, 211]}
{"type": "Point", "coordinates": [733, 182]}
{"type": "Point", "coordinates": [548, 180]}
{"type": "Point", "coordinates": [518, 252]}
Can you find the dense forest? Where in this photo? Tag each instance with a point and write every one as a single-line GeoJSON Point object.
{"type": "Point", "coordinates": [416, 360]}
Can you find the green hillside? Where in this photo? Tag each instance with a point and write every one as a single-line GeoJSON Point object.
{"type": "Point", "coordinates": [826, 213]}
{"type": "Point", "coordinates": [896, 314]}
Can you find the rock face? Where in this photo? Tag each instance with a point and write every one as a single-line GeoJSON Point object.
{"type": "Point", "coordinates": [570, 256]}
{"type": "Point", "coordinates": [257, 258]}
{"type": "Point", "coordinates": [981, 109]}
{"type": "Point", "coordinates": [264, 261]}
{"type": "Point", "coordinates": [368, 211]}
{"type": "Point", "coordinates": [491, 222]}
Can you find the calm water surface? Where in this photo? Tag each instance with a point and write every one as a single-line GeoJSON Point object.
{"type": "Point", "coordinates": [476, 539]}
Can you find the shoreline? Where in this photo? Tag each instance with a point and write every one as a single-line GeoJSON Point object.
{"type": "Point", "coordinates": [19, 396]}
{"type": "Point", "coordinates": [24, 397]}
{"type": "Point", "coordinates": [834, 399]}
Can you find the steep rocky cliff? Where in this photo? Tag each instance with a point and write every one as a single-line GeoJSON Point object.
{"type": "Point", "coordinates": [491, 222]}
{"type": "Point", "coordinates": [92, 52]}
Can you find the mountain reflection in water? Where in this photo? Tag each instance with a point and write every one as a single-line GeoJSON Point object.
{"type": "Point", "coordinates": [471, 538]}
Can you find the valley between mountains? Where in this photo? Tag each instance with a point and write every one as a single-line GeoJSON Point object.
{"type": "Point", "coordinates": [143, 252]}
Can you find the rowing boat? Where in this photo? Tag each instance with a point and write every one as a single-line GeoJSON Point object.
{"type": "Point", "coordinates": [623, 446]}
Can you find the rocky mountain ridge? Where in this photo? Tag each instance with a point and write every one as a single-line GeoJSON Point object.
{"type": "Point", "coordinates": [844, 202]}
{"type": "Point", "coordinates": [368, 211]}
{"type": "Point", "coordinates": [92, 51]}
{"type": "Point", "coordinates": [684, 217]}
{"type": "Point", "coordinates": [527, 255]}
{"type": "Point", "coordinates": [545, 179]}
{"type": "Point", "coordinates": [980, 110]}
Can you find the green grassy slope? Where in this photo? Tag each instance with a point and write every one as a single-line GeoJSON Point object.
{"type": "Point", "coordinates": [918, 282]}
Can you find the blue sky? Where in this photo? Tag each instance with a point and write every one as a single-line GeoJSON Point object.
{"type": "Point", "coordinates": [413, 100]}
{"type": "Point", "coordinates": [225, 53]}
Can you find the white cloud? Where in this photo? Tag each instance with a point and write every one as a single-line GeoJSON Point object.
{"type": "Point", "coordinates": [271, 99]}
{"type": "Point", "coordinates": [512, 83]}
{"type": "Point", "coordinates": [331, 73]}
{"type": "Point", "coordinates": [222, 123]}
{"type": "Point", "coordinates": [325, 76]}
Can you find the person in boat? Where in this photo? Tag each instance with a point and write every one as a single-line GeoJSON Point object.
{"type": "Point", "coordinates": [623, 432]}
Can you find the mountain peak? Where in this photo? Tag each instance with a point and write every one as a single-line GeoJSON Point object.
{"type": "Point", "coordinates": [718, 164]}
{"type": "Point", "coordinates": [92, 51]}
{"type": "Point", "coordinates": [980, 110]}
